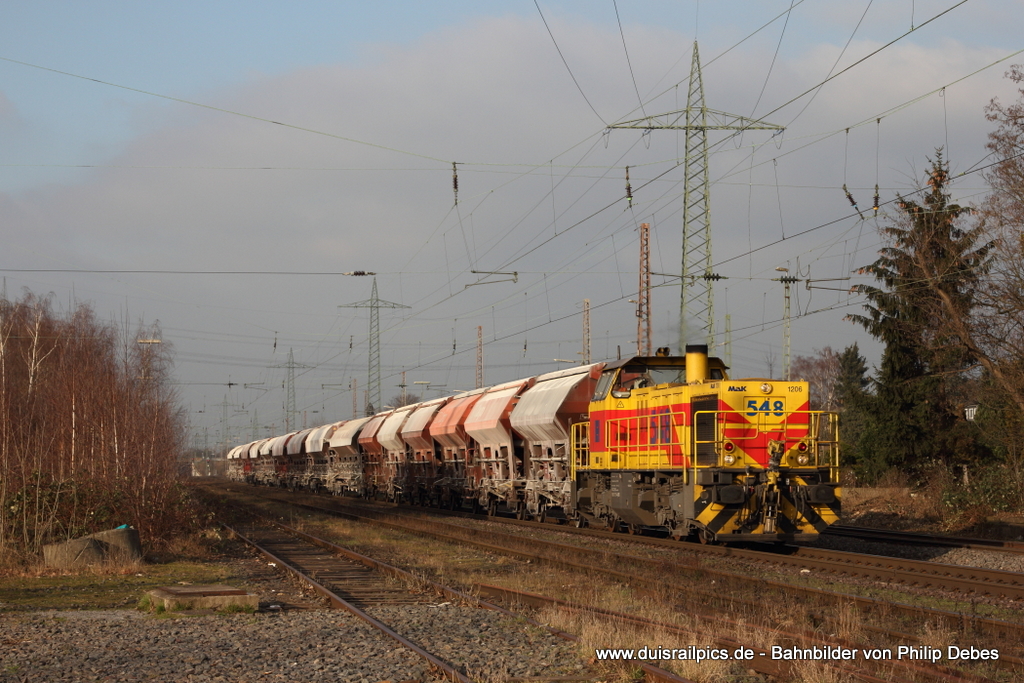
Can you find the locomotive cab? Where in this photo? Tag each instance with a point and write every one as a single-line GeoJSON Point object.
{"type": "Point", "coordinates": [673, 442]}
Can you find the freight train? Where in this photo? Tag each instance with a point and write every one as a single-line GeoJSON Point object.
{"type": "Point", "coordinates": [668, 442]}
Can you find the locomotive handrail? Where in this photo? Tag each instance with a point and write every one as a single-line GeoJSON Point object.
{"type": "Point", "coordinates": [821, 437]}
{"type": "Point", "coordinates": [667, 436]}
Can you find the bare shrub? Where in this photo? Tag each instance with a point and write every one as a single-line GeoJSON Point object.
{"type": "Point", "coordinates": [89, 431]}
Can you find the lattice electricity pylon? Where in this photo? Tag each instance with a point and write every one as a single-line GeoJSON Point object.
{"type": "Point", "coordinates": [374, 303]}
{"type": "Point", "coordinates": [697, 288]}
{"type": "Point", "coordinates": [289, 402]}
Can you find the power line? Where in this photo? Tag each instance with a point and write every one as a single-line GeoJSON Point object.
{"type": "Point", "coordinates": [571, 74]}
{"type": "Point", "coordinates": [228, 111]}
{"type": "Point", "coordinates": [622, 35]}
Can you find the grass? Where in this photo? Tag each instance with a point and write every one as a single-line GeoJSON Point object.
{"type": "Point", "coordinates": [96, 591]}
{"type": "Point", "coordinates": [110, 586]}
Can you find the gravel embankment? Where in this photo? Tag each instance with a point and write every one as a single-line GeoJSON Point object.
{"type": "Point", "coordinates": [123, 646]}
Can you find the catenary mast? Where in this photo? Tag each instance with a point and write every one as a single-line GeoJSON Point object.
{"type": "Point", "coordinates": [696, 298]}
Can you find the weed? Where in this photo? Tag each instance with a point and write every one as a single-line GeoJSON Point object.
{"type": "Point", "coordinates": [237, 609]}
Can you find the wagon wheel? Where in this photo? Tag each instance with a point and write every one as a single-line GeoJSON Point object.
{"type": "Point", "coordinates": [521, 512]}
{"type": "Point", "coordinates": [634, 529]}
{"type": "Point", "coordinates": [706, 537]}
{"type": "Point", "coordinates": [580, 522]}
{"type": "Point", "coordinates": [492, 508]}
{"type": "Point", "coordinates": [614, 525]}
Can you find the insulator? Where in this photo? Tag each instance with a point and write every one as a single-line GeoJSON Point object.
{"type": "Point", "coordinates": [853, 202]}
{"type": "Point", "coordinates": [877, 198]}
{"type": "Point", "coordinates": [455, 181]}
{"type": "Point", "coordinates": [629, 190]}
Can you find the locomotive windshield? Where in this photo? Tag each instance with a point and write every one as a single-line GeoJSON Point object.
{"type": "Point", "coordinates": [667, 375]}
{"type": "Point", "coordinates": [637, 376]}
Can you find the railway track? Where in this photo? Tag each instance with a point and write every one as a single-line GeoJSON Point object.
{"type": "Point", "coordinates": [924, 574]}
{"type": "Point", "coordinates": [901, 671]}
{"type": "Point", "coordinates": [363, 586]}
{"type": "Point", "coordinates": [914, 573]}
{"type": "Point", "coordinates": [586, 560]}
{"type": "Point", "coordinates": [868, 534]}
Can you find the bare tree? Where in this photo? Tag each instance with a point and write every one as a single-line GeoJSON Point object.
{"type": "Point", "coordinates": [398, 400]}
{"type": "Point", "coordinates": [89, 431]}
{"type": "Point", "coordinates": [821, 371]}
{"type": "Point", "coordinates": [994, 333]}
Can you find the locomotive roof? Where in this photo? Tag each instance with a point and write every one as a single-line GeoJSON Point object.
{"type": "Point", "coordinates": [680, 361]}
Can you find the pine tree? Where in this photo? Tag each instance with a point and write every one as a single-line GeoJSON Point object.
{"type": "Point", "coordinates": [851, 399]}
{"type": "Point", "coordinates": [928, 270]}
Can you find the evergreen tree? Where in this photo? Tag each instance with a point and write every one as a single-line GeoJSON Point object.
{"type": "Point", "coordinates": [928, 270]}
{"type": "Point", "coordinates": [851, 398]}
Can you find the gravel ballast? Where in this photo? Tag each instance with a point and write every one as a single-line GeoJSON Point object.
{"type": "Point", "coordinates": [126, 646]}
{"type": "Point", "coordinates": [122, 646]}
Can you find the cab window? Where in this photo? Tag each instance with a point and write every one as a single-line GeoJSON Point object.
{"type": "Point", "coordinates": [603, 384]}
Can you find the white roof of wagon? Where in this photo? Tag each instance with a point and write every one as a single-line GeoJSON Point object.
{"type": "Point", "coordinates": [390, 433]}
{"type": "Point", "coordinates": [576, 370]}
{"type": "Point", "coordinates": [421, 416]}
{"type": "Point", "coordinates": [268, 445]}
{"type": "Point", "coordinates": [315, 440]}
{"type": "Point", "coordinates": [255, 446]}
{"type": "Point", "coordinates": [536, 414]}
{"type": "Point", "coordinates": [298, 440]}
{"type": "Point", "coordinates": [233, 453]}
{"type": "Point", "coordinates": [345, 434]}
{"type": "Point", "coordinates": [484, 423]}
{"type": "Point", "coordinates": [277, 445]}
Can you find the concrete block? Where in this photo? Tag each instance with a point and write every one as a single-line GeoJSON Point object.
{"type": "Point", "coordinates": [114, 545]}
{"type": "Point", "coordinates": [177, 598]}
{"type": "Point", "coordinates": [77, 553]}
{"type": "Point", "coordinates": [120, 544]}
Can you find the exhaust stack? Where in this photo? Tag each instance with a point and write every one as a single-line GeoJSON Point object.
{"type": "Point", "coordinates": [696, 363]}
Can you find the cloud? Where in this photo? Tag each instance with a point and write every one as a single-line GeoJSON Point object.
{"type": "Point", "coordinates": [207, 190]}
{"type": "Point", "coordinates": [9, 116]}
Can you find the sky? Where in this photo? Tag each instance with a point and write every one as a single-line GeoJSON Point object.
{"type": "Point", "coordinates": [217, 167]}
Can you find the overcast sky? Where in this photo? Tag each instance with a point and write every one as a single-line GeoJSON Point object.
{"type": "Point", "coordinates": [149, 137]}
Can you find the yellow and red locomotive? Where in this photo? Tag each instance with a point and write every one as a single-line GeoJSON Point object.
{"type": "Point", "coordinates": [673, 442]}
